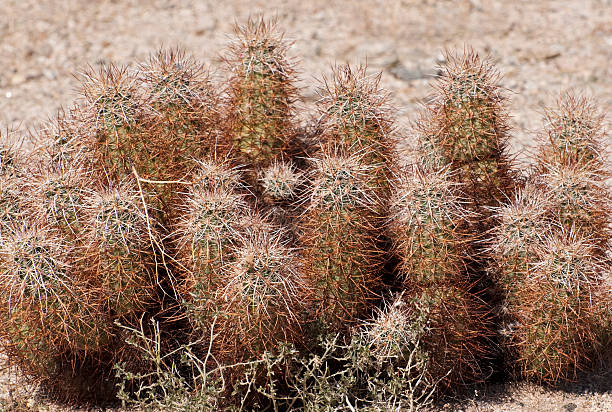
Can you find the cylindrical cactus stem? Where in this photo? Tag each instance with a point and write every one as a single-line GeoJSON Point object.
{"type": "Point", "coordinates": [523, 224]}
{"type": "Point", "coordinates": [570, 163]}
{"type": "Point", "coordinates": [468, 111]}
{"type": "Point", "coordinates": [356, 112]}
{"type": "Point", "coordinates": [430, 230]}
{"type": "Point", "coordinates": [429, 227]}
{"type": "Point", "coordinates": [120, 248]}
{"type": "Point", "coordinates": [556, 326]}
{"type": "Point", "coordinates": [260, 295]}
{"type": "Point", "coordinates": [205, 237]}
{"type": "Point", "coordinates": [48, 313]}
{"type": "Point", "coordinates": [114, 107]}
{"type": "Point", "coordinates": [183, 124]}
{"type": "Point", "coordinates": [573, 135]}
{"type": "Point", "coordinates": [340, 236]}
{"type": "Point", "coordinates": [261, 96]}
{"type": "Point", "coordinates": [580, 201]}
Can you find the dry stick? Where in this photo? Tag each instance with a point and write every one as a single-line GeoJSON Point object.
{"type": "Point", "coordinates": [153, 240]}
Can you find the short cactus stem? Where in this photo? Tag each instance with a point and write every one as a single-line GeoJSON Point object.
{"type": "Point", "coordinates": [47, 311]}
{"type": "Point", "coordinates": [429, 227]}
{"type": "Point", "coordinates": [523, 224]}
{"type": "Point", "coordinates": [183, 117]}
{"type": "Point", "coordinates": [570, 163]}
{"type": "Point", "coordinates": [120, 243]}
{"type": "Point", "coordinates": [556, 328]}
{"type": "Point", "coordinates": [471, 130]}
{"type": "Point", "coordinates": [356, 111]}
{"type": "Point", "coordinates": [58, 194]}
{"type": "Point", "coordinates": [580, 201]}
{"type": "Point", "coordinates": [573, 135]}
{"type": "Point", "coordinates": [455, 348]}
{"type": "Point", "coordinates": [280, 181]}
{"type": "Point", "coordinates": [260, 295]}
{"type": "Point", "coordinates": [262, 95]}
{"type": "Point", "coordinates": [113, 108]}
{"type": "Point", "coordinates": [205, 238]}
{"type": "Point", "coordinates": [340, 238]}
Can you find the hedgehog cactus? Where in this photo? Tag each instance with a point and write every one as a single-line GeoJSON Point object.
{"type": "Point", "coordinates": [522, 226]}
{"type": "Point", "coordinates": [112, 95]}
{"type": "Point", "coordinates": [261, 96]}
{"type": "Point", "coordinates": [430, 230]}
{"type": "Point", "coordinates": [225, 217]}
{"type": "Point", "coordinates": [339, 236]}
{"type": "Point", "coordinates": [571, 164]}
{"type": "Point", "coordinates": [555, 334]}
{"type": "Point", "coordinates": [261, 290]}
{"type": "Point", "coordinates": [47, 311]}
{"type": "Point", "coordinates": [356, 113]}
{"type": "Point", "coordinates": [120, 251]}
{"type": "Point", "coordinates": [469, 131]}
{"type": "Point", "coordinates": [574, 134]}
{"type": "Point", "coordinates": [428, 223]}
{"type": "Point", "coordinates": [182, 124]}
{"type": "Point", "coordinates": [550, 249]}
{"type": "Point", "coordinates": [207, 234]}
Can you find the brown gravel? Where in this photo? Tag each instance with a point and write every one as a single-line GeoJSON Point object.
{"type": "Point", "coordinates": [541, 46]}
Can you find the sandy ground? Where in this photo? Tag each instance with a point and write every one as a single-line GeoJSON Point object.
{"type": "Point", "coordinates": [541, 47]}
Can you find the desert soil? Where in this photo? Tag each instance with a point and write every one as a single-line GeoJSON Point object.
{"type": "Point", "coordinates": [542, 48]}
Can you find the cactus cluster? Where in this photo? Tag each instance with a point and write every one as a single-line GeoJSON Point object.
{"type": "Point", "coordinates": [243, 227]}
{"type": "Point", "coordinates": [550, 249]}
